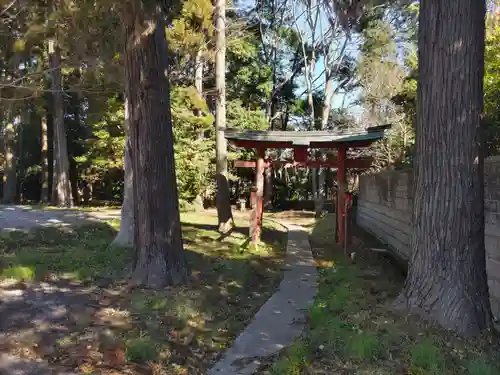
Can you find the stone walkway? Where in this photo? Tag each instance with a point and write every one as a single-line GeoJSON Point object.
{"type": "Point", "coordinates": [282, 317]}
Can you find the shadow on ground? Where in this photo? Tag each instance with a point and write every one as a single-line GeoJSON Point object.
{"type": "Point", "coordinates": [68, 304]}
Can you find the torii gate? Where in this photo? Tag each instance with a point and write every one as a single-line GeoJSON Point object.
{"type": "Point", "coordinates": [300, 142]}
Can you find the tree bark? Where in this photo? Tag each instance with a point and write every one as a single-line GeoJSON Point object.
{"type": "Point", "coordinates": [223, 197]}
{"type": "Point", "coordinates": [61, 184]}
{"type": "Point", "coordinates": [198, 80]}
{"type": "Point", "coordinates": [158, 239]}
{"type": "Point", "coordinates": [268, 188]}
{"type": "Point", "coordinates": [447, 277]}
{"type": "Point", "coordinates": [125, 236]}
{"type": "Point", "coordinates": [10, 168]}
{"type": "Point", "coordinates": [325, 115]}
{"type": "Point", "coordinates": [198, 73]}
{"type": "Point", "coordinates": [198, 83]}
{"type": "Point", "coordinates": [44, 192]}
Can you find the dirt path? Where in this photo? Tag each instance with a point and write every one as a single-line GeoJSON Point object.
{"type": "Point", "coordinates": [25, 217]}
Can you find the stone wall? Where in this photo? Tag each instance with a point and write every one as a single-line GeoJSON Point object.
{"type": "Point", "coordinates": [385, 209]}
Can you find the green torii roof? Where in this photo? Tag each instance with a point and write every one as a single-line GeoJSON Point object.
{"type": "Point", "coordinates": [311, 139]}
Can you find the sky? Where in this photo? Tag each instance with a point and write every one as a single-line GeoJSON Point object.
{"type": "Point", "coordinates": [303, 27]}
{"type": "Point", "coordinates": [352, 50]}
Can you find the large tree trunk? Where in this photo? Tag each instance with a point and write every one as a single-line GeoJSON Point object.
{"type": "Point", "coordinates": [223, 198]}
{"type": "Point", "coordinates": [158, 239]}
{"type": "Point", "coordinates": [125, 236]}
{"type": "Point", "coordinates": [61, 184]}
{"type": "Point", "coordinates": [447, 277]}
{"type": "Point", "coordinates": [44, 192]}
{"type": "Point", "coordinates": [10, 167]}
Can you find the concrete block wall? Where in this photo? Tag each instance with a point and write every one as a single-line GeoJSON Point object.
{"type": "Point", "coordinates": [385, 206]}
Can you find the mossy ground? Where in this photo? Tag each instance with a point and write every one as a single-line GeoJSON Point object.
{"type": "Point", "coordinates": [353, 328]}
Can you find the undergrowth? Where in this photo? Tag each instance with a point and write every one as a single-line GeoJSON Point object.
{"type": "Point", "coordinates": [110, 328]}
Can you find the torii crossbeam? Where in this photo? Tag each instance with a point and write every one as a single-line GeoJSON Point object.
{"type": "Point", "coordinates": [301, 142]}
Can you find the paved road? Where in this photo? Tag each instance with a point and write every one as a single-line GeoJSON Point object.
{"type": "Point", "coordinates": [25, 217]}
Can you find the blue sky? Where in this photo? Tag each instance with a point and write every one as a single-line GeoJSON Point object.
{"type": "Point", "coordinates": [319, 84]}
{"type": "Point", "coordinates": [352, 49]}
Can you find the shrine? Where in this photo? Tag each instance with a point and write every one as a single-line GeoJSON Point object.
{"type": "Point", "coordinates": [301, 142]}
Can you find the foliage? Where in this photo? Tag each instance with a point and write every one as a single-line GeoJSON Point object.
{"type": "Point", "coordinates": [492, 88]}
{"type": "Point", "coordinates": [389, 94]}
{"type": "Point", "coordinates": [105, 149]}
{"type": "Point", "coordinates": [192, 150]}
{"type": "Point", "coordinates": [265, 72]}
{"type": "Point", "coordinates": [92, 75]}
{"type": "Point", "coordinates": [266, 86]}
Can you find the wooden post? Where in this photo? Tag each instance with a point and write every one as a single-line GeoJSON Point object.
{"type": "Point", "coordinates": [253, 213]}
{"type": "Point", "coordinates": [259, 198]}
{"type": "Point", "coordinates": [341, 181]}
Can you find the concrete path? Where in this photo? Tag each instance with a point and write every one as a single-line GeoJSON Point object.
{"type": "Point", "coordinates": [282, 317]}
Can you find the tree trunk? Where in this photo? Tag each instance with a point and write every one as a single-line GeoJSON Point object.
{"type": "Point", "coordinates": [125, 236]}
{"type": "Point", "coordinates": [268, 188]}
{"type": "Point", "coordinates": [44, 192]}
{"type": "Point", "coordinates": [61, 184]}
{"type": "Point", "coordinates": [223, 198]}
{"type": "Point", "coordinates": [10, 168]}
{"type": "Point", "coordinates": [158, 239]}
{"type": "Point", "coordinates": [447, 277]}
{"type": "Point", "coordinates": [325, 115]}
{"type": "Point", "coordinates": [198, 83]}
{"type": "Point", "coordinates": [198, 73]}
{"type": "Point", "coordinates": [198, 80]}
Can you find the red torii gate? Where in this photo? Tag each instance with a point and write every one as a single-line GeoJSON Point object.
{"type": "Point", "coordinates": [300, 142]}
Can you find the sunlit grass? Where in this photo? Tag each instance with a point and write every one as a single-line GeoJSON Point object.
{"type": "Point", "coordinates": [81, 253]}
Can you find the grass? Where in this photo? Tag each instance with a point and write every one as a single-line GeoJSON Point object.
{"type": "Point", "coordinates": [352, 328]}
{"type": "Point", "coordinates": [179, 330]}
{"type": "Point", "coordinates": [79, 254]}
